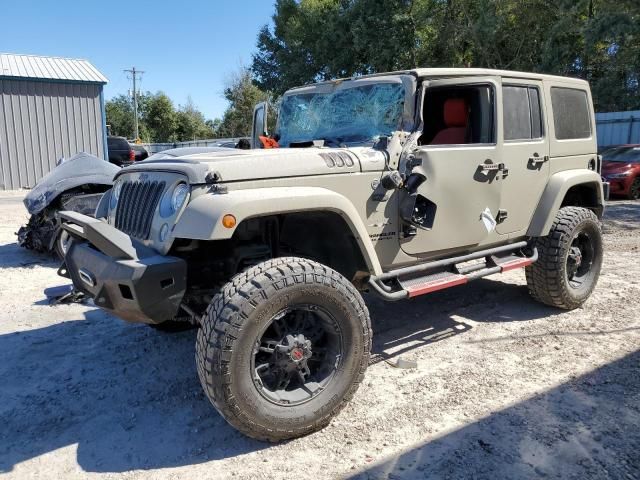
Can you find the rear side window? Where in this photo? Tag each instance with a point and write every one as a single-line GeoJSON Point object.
{"type": "Point", "coordinates": [521, 113]}
{"type": "Point", "coordinates": [571, 116]}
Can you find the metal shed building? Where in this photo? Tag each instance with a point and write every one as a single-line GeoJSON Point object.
{"type": "Point", "coordinates": [618, 128]}
{"type": "Point", "coordinates": [49, 108]}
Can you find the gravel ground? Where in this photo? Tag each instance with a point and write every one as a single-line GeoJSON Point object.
{"type": "Point", "coordinates": [504, 387]}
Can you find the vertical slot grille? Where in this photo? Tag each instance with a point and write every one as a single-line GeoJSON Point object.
{"type": "Point", "coordinates": [136, 207]}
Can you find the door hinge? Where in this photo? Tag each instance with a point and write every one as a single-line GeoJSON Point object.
{"type": "Point", "coordinates": [408, 231]}
{"type": "Point", "coordinates": [501, 216]}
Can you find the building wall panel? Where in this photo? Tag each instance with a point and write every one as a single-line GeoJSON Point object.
{"type": "Point", "coordinates": [42, 121]}
{"type": "Point", "coordinates": [617, 128]}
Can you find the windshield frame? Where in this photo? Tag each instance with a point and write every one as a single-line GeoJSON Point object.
{"type": "Point", "coordinates": [407, 120]}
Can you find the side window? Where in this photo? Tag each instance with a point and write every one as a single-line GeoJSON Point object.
{"type": "Point", "coordinates": [459, 115]}
{"type": "Point", "coordinates": [521, 112]}
{"type": "Point", "coordinates": [571, 116]}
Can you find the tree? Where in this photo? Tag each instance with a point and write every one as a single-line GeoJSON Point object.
{"type": "Point", "coordinates": [159, 117]}
{"type": "Point", "coordinates": [159, 121]}
{"type": "Point", "coordinates": [120, 116]}
{"type": "Point", "coordinates": [190, 123]}
{"type": "Point", "coordinates": [598, 40]}
{"type": "Point", "coordinates": [242, 95]}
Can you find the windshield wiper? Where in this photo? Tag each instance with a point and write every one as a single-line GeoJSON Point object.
{"type": "Point", "coordinates": [336, 141]}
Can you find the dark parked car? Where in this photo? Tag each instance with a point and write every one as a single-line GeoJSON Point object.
{"type": "Point", "coordinates": [621, 167]}
{"type": "Point", "coordinates": [120, 151]}
{"type": "Point", "coordinates": [140, 152]}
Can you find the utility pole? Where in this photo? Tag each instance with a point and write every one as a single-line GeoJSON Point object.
{"type": "Point", "coordinates": [134, 76]}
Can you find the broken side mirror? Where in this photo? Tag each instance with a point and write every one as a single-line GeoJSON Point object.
{"type": "Point", "coordinates": [418, 211]}
{"type": "Point", "coordinates": [415, 208]}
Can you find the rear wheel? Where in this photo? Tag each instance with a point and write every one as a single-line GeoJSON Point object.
{"type": "Point", "coordinates": [283, 347]}
{"type": "Point", "coordinates": [570, 259]}
{"type": "Point", "coordinates": [634, 190]}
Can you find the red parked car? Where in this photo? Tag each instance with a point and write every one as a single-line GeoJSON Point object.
{"type": "Point", "coordinates": [621, 168]}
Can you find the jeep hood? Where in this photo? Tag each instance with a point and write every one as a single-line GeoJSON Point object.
{"type": "Point", "coordinates": [239, 165]}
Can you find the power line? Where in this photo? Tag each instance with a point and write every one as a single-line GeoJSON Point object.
{"type": "Point", "coordinates": [134, 77]}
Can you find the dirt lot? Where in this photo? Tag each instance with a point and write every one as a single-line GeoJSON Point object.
{"type": "Point", "coordinates": [505, 387]}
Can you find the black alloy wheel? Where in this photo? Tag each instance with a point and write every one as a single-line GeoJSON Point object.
{"type": "Point", "coordinates": [297, 354]}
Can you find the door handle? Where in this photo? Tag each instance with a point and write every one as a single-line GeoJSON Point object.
{"type": "Point", "coordinates": [485, 168]}
{"type": "Point", "coordinates": [488, 167]}
{"type": "Point", "coordinates": [537, 159]}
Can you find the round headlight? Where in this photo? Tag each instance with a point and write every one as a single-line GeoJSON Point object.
{"type": "Point", "coordinates": [178, 196]}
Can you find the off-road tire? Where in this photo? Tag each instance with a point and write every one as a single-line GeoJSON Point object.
{"type": "Point", "coordinates": [230, 329]}
{"type": "Point", "coordinates": [634, 189]}
{"type": "Point", "coordinates": [547, 278]}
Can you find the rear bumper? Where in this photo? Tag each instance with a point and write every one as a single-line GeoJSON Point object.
{"type": "Point", "coordinates": [122, 276]}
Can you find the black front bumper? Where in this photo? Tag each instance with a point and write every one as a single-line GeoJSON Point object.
{"type": "Point", "coordinates": [121, 275]}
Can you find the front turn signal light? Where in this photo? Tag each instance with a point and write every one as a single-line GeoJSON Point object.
{"type": "Point", "coordinates": [228, 221]}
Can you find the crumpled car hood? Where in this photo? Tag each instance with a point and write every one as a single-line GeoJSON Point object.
{"type": "Point", "coordinates": [81, 169]}
{"type": "Point", "coordinates": [239, 165]}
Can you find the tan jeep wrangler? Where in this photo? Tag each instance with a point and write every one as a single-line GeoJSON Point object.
{"type": "Point", "coordinates": [401, 184]}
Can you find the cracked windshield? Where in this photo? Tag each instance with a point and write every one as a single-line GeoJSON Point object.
{"type": "Point", "coordinates": [346, 115]}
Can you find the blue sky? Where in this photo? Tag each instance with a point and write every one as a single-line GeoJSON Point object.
{"type": "Point", "coordinates": [186, 47]}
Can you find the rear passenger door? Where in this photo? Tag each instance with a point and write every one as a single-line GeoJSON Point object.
{"type": "Point", "coordinates": [525, 153]}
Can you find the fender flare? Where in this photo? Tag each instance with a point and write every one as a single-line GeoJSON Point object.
{"type": "Point", "coordinates": [553, 195]}
{"type": "Point", "coordinates": [202, 217]}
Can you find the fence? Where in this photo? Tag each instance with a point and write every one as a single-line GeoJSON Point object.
{"type": "Point", "coordinates": [214, 142]}
{"type": "Point", "coordinates": [617, 128]}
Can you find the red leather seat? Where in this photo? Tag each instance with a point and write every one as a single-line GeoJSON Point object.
{"type": "Point", "coordinates": [456, 116]}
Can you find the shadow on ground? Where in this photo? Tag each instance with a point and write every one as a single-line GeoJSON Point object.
{"type": "Point", "coordinates": [400, 327]}
{"type": "Point", "coordinates": [623, 215]}
{"type": "Point", "coordinates": [586, 428]}
{"type": "Point", "coordinates": [14, 256]}
{"type": "Point", "coordinates": [127, 395]}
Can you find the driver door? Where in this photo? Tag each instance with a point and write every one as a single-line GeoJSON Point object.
{"type": "Point", "coordinates": [456, 205]}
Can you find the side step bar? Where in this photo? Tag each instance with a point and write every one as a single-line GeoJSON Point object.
{"type": "Point", "coordinates": [409, 282]}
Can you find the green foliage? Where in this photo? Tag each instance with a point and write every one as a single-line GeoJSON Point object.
{"type": "Point", "coordinates": [242, 95]}
{"type": "Point", "coordinates": [598, 40]}
{"type": "Point", "coordinates": [159, 120]}
{"type": "Point", "coordinates": [159, 116]}
{"type": "Point", "coordinates": [120, 116]}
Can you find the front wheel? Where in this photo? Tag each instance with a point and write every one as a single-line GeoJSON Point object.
{"type": "Point", "coordinates": [62, 243]}
{"type": "Point", "coordinates": [570, 259]}
{"type": "Point", "coordinates": [283, 347]}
